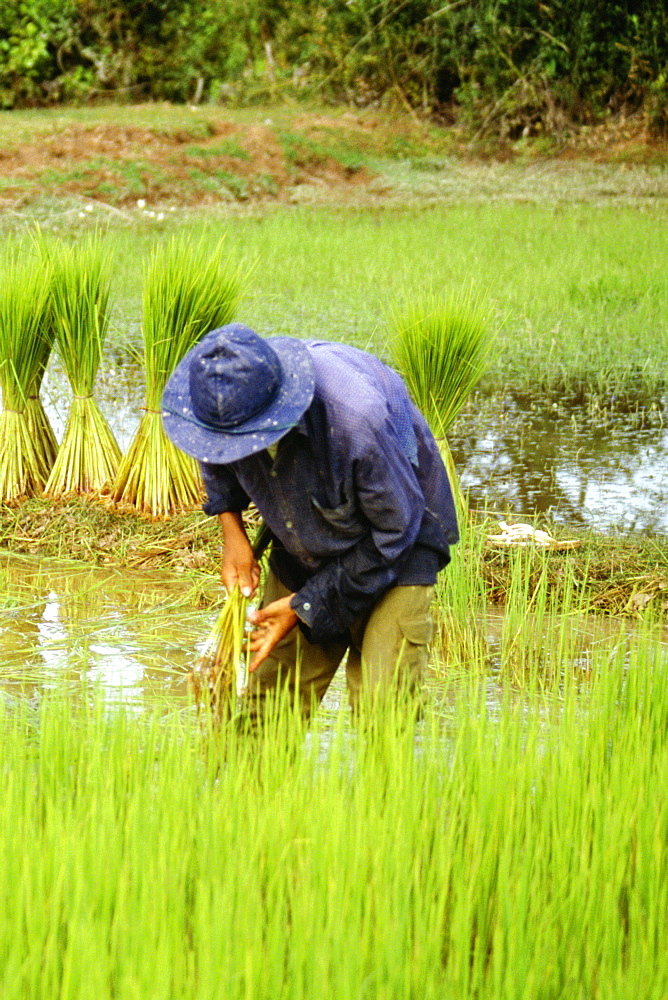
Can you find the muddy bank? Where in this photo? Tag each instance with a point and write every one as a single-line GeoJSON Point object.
{"type": "Point", "coordinates": [160, 157]}
{"type": "Point", "coordinates": [615, 575]}
{"type": "Point", "coordinates": [95, 533]}
{"type": "Point", "coordinates": [207, 162]}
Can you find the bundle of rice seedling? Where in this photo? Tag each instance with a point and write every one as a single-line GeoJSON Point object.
{"type": "Point", "coordinates": [214, 678]}
{"type": "Point", "coordinates": [189, 290]}
{"type": "Point", "coordinates": [79, 301]}
{"type": "Point", "coordinates": [44, 439]}
{"type": "Point", "coordinates": [441, 345]}
{"type": "Point", "coordinates": [26, 439]}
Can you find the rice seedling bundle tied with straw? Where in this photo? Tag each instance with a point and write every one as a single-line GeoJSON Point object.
{"type": "Point", "coordinates": [26, 438]}
{"type": "Point", "coordinates": [79, 303]}
{"type": "Point", "coordinates": [441, 345]}
{"type": "Point", "coordinates": [189, 289]}
{"type": "Point", "coordinates": [41, 430]}
{"type": "Point", "coordinates": [214, 678]}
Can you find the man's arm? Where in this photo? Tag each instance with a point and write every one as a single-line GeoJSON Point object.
{"type": "Point", "coordinates": [227, 499]}
{"type": "Point", "coordinates": [239, 566]}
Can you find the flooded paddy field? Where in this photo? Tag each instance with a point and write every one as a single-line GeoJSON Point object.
{"type": "Point", "coordinates": [132, 636]}
{"type": "Point", "coordinates": [598, 463]}
{"type": "Point", "coordinates": [569, 421]}
{"type": "Point", "coordinates": [64, 625]}
{"type": "Point", "coordinates": [509, 844]}
{"type": "Point", "coordinates": [512, 843]}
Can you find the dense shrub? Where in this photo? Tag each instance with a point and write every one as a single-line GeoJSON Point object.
{"type": "Point", "coordinates": [507, 65]}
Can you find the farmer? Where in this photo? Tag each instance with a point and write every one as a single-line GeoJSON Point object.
{"type": "Point", "coordinates": [324, 439]}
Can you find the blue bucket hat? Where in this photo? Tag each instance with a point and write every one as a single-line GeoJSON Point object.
{"type": "Point", "coordinates": [235, 393]}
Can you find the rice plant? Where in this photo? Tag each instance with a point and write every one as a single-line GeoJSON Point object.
{"type": "Point", "coordinates": [441, 345]}
{"type": "Point", "coordinates": [26, 440]}
{"type": "Point", "coordinates": [517, 850]}
{"type": "Point", "coordinates": [214, 678]}
{"type": "Point", "coordinates": [189, 290]}
{"type": "Point", "coordinates": [79, 304]}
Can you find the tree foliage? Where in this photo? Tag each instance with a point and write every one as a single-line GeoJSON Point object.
{"type": "Point", "coordinates": [511, 65]}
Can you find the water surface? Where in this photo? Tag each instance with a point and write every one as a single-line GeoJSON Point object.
{"type": "Point", "coordinates": [602, 465]}
{"type": "Point", "coordinates": [587, 462]}
{"type": "Point", "coordinates": [134, 635]}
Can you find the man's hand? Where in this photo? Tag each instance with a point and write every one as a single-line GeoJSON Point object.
{"type": "Point", "coordinates": [272, 624]}
{"type": "Point", "coordinates": [239, 566]}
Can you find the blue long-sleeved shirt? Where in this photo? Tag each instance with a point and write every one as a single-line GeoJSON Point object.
{"type": "Point", "coordinates": [357, 498]}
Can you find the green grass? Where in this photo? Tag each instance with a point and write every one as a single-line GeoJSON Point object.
{"type": "Point", "coordinates": [580, 291]}
{"type": "Point", "coordinates": [227, 147]}
{"type": "Point", "coordinates": [511, 854]}
{"type": "Point", "coordinates": [303, 151]}
{"type": "Point", "coordinates": [512, 845]}
{"type": "Point", "coordinates": [221, 182]}
{"type": "Point", "coordinates": [570, 254]}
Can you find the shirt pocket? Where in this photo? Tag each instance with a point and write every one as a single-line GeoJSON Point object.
{"type": "Point", "coordinates": [344, 519]}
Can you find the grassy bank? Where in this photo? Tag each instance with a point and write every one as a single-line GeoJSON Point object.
{"type": "Point", "coordinates": [606, 574]}
{"type": "Point", "coordinates": [517, 854]}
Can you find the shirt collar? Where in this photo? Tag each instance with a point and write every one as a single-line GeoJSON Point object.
{"type": "Point", "coordinates": [300, 426]}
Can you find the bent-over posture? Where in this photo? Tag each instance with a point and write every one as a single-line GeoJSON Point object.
{"type": "Point", "coordinates": [326, 442]}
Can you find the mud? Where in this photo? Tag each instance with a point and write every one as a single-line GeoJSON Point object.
{"type": "Point", "coordinates": [220, 160]}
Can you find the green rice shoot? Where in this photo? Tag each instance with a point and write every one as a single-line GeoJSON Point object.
{"type": "Point", "coordinates": [25, 344]}
{"type": "Point", "coordinates": [442, 345]}
{"type": "Point", "coordinates": [214, 678]}
{"type": "Point", "coordinates": [516, 851]}
{"type": "Point", "coordinates": [79, 293]}
{"type": "Point", "coordinates": [189, 289]}
{"type": "Point", "coordinates": [43, 437]}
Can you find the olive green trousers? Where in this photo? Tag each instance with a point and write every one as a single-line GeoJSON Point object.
{"type": "Point", "coordinates": [388, 651]}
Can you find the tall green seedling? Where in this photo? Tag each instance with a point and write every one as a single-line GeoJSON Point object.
{"type": "Point", "coordinates": [79, 304]}
{"type": "Point", "coordinates": [26, 440]}
{"type": "Point", "coordinates": [442, 346]}
{"type": "Point", "coordinates": [189, 290]}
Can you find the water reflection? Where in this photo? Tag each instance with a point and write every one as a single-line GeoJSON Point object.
{"type": "Point", "coordinates": [119, 389]}
{"type": "Point", "coordinates": [590, 462]}
{"type": "Point", "coordinates": [134, 636]}
{"type": "Point", "coordinates": [585, 464]}
{"type": "Point", "coordinates": [129, 634]}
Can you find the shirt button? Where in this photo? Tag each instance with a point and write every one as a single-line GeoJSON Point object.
{"type": "Point", "coordinates": [274, 473]}
{"type": "Point", "coordinates": [307, 606]}
{"type": "Point", "coordinates": [288, 524]}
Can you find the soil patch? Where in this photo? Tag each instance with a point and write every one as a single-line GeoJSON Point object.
{"type": "Point", "coordinates": [176, 156]}
{"type": "Point", "coordinates": [215, 161]}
